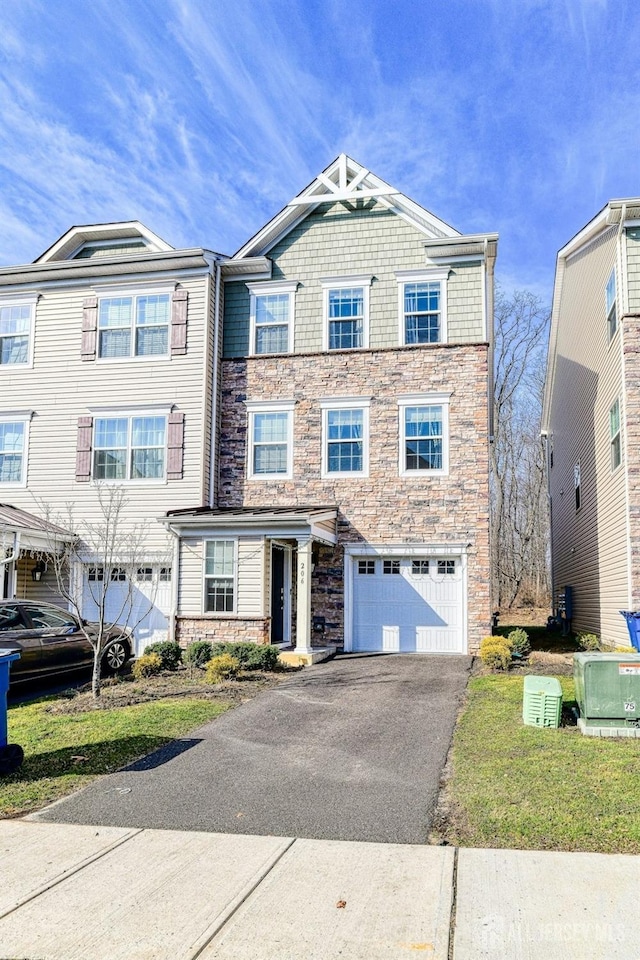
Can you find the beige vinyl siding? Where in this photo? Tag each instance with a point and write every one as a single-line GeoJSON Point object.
{"type": "Point", "coordinates": [589, 545]}
{"type": "Point", "coordinates": [60, 388]}
{"type": "Point", "coordinates": [250, 579]}
{"type": "Point", "coordinates": [43, 591]}
{"type": "Point", "coordinates": [335, 241]}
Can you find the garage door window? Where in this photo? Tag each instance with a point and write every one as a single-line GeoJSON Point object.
{"type": "Point", "coordinates": [391, 566]}
{"type": "Point", "coordinates": [419, 568]}
{"type": "Point", "coordinates": [446, 568]}
{"type": "Point", "coordinates": [367, 567]}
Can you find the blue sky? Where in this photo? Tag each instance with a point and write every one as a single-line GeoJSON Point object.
{"type": "Point", "coordinates": [202, 118]}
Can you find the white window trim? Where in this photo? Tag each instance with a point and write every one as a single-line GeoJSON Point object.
{"type": "Point", "coordinates": [262, 290]}
{"type": "Point", "coordinates": [344, 283]}
{"type": "Point", "coordinates": [345, 403]}
{"type": "Point", "coordinates": [422, 276]}
{"type": "Point", "coordinates": [19, 416]}
{"type": "Point", "coordinates": [219, 613]}
{"type": "Point", "coordinates": [128, 413]}
{"type": "Point", "coordinates": [21, 300]}
{"type": "Point", "coordinates": [268, 406]}
{"type": "Point", "coordinates": [423, 400]}
{"type": "Point", "coordinates": [110, 291]}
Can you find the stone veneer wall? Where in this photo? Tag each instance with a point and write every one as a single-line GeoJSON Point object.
{"type": "Point", "coordinates": [383, 507]}
{"type": "Point", "coordinates": [221, 630]}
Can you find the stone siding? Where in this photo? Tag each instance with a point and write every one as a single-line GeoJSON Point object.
{"type": "Point", "coordinates": [222, 630]}
{"type": "Point", "coordinates": [383, 507]}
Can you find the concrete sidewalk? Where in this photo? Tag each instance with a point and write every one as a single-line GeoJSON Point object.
{"type": "Point", "coordinates": [88, 893]}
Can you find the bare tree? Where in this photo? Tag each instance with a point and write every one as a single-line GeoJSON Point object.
{"type": "Point", "coordinates": [101, 561]}
{"type": "Point", "coordinates": [519, 510]}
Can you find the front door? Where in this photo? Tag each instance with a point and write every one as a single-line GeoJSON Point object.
{"type": "Point", "coordinates": [277, 593]}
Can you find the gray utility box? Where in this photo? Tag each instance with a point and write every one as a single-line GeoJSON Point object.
{"type": "Point", "coordinates": [608, 693]}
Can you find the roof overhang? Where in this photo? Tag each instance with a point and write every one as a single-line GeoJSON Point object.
{"type": "Point", "coordinates": [477, 246]}
{"type": "Point", "coordinates": [75, 237]}
{"type": "Point", "coordinates": [22, 531]}
{"type": "Point", "coordinates": [316, 523]}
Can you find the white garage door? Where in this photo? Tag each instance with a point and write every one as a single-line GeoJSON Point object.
{"type": "Point", "coordinates": [408, 605]}
{"type": "Point", "coordinates": [143, 605]}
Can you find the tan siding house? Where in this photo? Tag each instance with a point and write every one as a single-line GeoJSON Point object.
{"type": "Point", "coordinates": [106, 381]}
{"type": "Point", "coordinates": [352, 504]}
{"type": "Point", "coordinates": [590, 417]}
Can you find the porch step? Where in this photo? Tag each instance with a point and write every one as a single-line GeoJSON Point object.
{"type": "Point", "coordinates": [317, 655]}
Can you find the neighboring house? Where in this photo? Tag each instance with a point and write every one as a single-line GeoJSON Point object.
{"type": "Point", "coordinates": [106, 378]}
{"type": "Point", "coordinates": [591, 420]}
{"type": "Point", "coordinates": [354, 429]}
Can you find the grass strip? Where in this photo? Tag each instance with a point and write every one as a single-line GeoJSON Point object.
{"type": "Point", "coordinates": [63, 752]}
{"type": "Point", "coordinates": [529, 788]}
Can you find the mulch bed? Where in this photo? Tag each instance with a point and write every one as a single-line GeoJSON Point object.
{"type": "Point", "coordinates": [125, 691]}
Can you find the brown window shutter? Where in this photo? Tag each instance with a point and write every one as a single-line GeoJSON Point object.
{"type": "Point", "coordinates": [175, 446]}
{"type": "Point", "coordinates": [89, 327]}
{"type": "Point", "coordinates": [83, 450]}
{"type": "Point", "coordinates": [179, 322]}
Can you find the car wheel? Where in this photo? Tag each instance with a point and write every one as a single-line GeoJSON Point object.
{"type": "Point", "coordinates": [116, 656]}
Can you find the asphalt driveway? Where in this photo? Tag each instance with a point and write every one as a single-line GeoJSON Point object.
{"type": "Point", "coordinates": [352, 749]}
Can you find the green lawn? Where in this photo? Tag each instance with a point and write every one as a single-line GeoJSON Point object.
{"type": "Point", "coordinates": [530, 788]}
{"type": "Point", "coordinates": [64, 751]}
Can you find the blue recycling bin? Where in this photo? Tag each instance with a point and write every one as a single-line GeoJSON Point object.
{"type": "Point", "coordinates": [633, 626]}
{"type": "Point", "coordinates": [11, 755]}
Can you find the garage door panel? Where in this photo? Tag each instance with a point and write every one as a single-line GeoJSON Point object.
{"type": "Point", "coordinates": [416, 610]}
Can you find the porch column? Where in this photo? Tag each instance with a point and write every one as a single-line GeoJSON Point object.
{"type": "Point", "coordinates": [303, 613]}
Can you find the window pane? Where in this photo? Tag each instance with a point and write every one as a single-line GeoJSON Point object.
{"type": "Point", "coordinates": [270, 458]}
{"type": "Point", "coordinates": [423, 438]}
{"type": "Point", "coordinates": [270, 427]}
{"type": "Point", "coordinates": [115, 312]}
{"type": "Point", "coordinates": [151, 341]}
{"type": "Point", "coordinates": [345, 334]}
{"type": "Point", "coordinates": [153, 310]}
{"type": "Point", "coordinates": [391, 567]}
{"type": "Point", "coordinates": [446, 568]}
{"type": "Point", "coordinates": [11, 450]}
{"type": "Point", "coordinates": [110, 465]}
{"type": "Point", "coordinates": [614, 419]}
{"type": "Point", "coordinates": [219, 557]}
{"type": "Point", "coordinates": [148, 432]}
{"type": "Point", "coordinates": [422, 328]}
{"type": "Point", "coordinates": [115, 343]}
{"type": "Point", "coordinates": [272, 339]}
{"type": "Point", "coordinates": [14, 334]}
{"type": "Point", "coordinates": [366, 567]}
{"type": "Point", "coordinates": [421, 297]}
{"type": "Point", "coordinates": [344, 424]}
{"type": "Point", "coordinates": [420, 568]}
{"type": "Point", "coordinates": [272, 309]}
{"type": "Point", "coordinates": [219, 596]}
{"type": "Point", "coordinates": [346, 303]}
{"type": "Point", "coordinates": [147, 464]}
{"type": "Point", "coordinates": [111, 432]}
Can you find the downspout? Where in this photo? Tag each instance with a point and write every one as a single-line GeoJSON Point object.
{"type": "Point", "coordinates": [213, 454]}
{"type": "Point", "coordinates": [175, 583]}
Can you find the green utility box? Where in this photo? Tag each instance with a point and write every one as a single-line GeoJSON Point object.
{"type": "Point", "coordinates": [608, 693]}
{"type": "Point", "coordinates": [542, 702]}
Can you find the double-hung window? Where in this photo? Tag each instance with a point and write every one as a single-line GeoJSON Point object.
{"type": "Point", "coordinates": [615, 435]}
{"type": "Point", "coordinates": [134, 325]}
{"type": "Point", "coordinates": [219, 576]}
{"type": "Point", "coordinates": [422, 306]}
{"type": "Point", "coordinates": [272, 311]}
{"type": "Point", "coordinates": [13, 448]}
{"type": "Point", "coordinates": [270, 449]}
{"type": "Point", "coordinates": [346, 313]}
{"type": "Point", "coordinates": [129, 447]}
{"type": "Point", "coordinates": [424, 434]}
{"type": "Point", "coordinates": [345, 444]}
{"type": "Point", "coordinates": [16, 331]}
{"type": "Point", "coordinates": [612, 311]}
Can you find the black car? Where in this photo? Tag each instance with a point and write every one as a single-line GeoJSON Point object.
{"type": "Point", "coordinates": [52, 640]}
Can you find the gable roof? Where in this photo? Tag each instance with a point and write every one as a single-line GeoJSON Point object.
{"type": "Point", "coordinates": [70, 242]}
{"type": "Point", "coordinates": [344, 180]}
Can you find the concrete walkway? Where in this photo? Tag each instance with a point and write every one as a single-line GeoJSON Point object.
{"type": "Point", "coordinates": [347, 750]}
{"type": "Point", "coordinates": [108, 893]}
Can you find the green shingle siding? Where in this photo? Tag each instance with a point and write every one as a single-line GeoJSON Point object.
{"type": "Point", "coordinates": [339, 241]}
